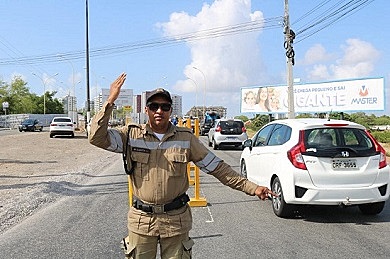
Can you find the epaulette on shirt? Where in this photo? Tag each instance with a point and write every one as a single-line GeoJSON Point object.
{"type": "Point", "coordinates": [134, 125]}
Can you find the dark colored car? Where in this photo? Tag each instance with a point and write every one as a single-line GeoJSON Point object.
{"type": "Point", "coordinates": [30, 125]}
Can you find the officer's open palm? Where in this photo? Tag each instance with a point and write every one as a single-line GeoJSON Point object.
{"type": "Point", "coordinates": [115, 88]}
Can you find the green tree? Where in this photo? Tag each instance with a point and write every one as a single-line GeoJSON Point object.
{"type": "Point", "coordinates": [242, 117]}
{"type": "Point", "coordinates": [258, 121]}
{"type": "Point", "coordinates": [17, 95]}
{"type": "Point", "coordinates": [20, 100]}
{"type": "Point", "coordinates": [382, 120]}
{"type": "Point", "coordinates": [53, 105]}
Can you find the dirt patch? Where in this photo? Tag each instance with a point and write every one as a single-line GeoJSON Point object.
{"type": "Point", "coordinates": [36, 170]}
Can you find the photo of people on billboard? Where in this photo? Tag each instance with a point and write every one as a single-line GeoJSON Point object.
{"type": "Point", "coordinates": [354, 95]}
{"type": "Point", "coordinates": [261, 99]}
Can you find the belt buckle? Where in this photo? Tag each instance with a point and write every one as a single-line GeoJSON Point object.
{"type": "Point", "coordinates": [158, 209]}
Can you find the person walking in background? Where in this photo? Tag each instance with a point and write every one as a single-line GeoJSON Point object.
{"type": "Point", "coordinates": [156, 156]}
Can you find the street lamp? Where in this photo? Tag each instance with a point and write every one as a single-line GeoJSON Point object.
{"type": "Point", "coordinates": [73, 110]}
{"type": "Point", "coordinates": [204, 93]}
{"type": "Point", "coordinates": [196, 95]}
{"type": "Point", "coordinates": [44, 81]}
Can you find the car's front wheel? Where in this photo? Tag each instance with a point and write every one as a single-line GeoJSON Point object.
{"type": "Point", "coordinates": [243, 169]}
{"type": "Point", "coordinates": [372, 208]}
{"type": "Point", "coordinates": [280, 207]}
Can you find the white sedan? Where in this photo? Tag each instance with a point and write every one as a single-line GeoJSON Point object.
{"type": "Point", "coordinates": [318, 162]}
{"type": "Point", "coordinates": [62, 126]}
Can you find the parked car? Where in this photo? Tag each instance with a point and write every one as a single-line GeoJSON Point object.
{"type": "Point", "coordinates": [318, 162]}
{"type": "Point", "coordinates": [31, 125]}
{"type": "Point", "coordinates": [227, 132]}
{"type": "Point", "coordinates": [62, 126]}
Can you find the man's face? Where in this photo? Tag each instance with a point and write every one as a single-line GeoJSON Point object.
{"type": "Point", "coordinates": [159, 110]}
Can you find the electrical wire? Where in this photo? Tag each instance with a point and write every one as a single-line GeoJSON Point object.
{"type": "Point", "coordinates": [338, 11]}
{"type": "Point", "coordinates": [217, 32]}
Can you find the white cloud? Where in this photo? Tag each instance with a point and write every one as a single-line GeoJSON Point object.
{"type": "Point", "coordinates": [316, 54]}
{"type": "Point", "coordinates": [228, 62]}
{"type": "Point", "coordinates": [357, 60]}
{"type": "Point", "coordinates": [318, 72]}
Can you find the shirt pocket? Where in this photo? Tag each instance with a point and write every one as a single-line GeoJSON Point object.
{"type": "Point", "coordinates": [142, 164]}
{"type": "Point", "coordinates": [177, 160]}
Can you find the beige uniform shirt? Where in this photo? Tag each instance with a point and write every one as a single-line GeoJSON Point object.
{"type": "Point", "coordinates": [160, 172]}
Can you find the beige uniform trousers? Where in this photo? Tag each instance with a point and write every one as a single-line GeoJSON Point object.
{"type": "Point", "coordinates": [145, 247]}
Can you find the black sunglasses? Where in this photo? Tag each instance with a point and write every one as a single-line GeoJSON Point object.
{"type": "Point", "coordinates": [164, 106]}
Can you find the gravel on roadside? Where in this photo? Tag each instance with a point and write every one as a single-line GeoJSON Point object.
{"type": "Point", "coordinates": [36, 170]}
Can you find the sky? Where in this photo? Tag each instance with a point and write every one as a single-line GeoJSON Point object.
{"type": "Point", "coordinates": [205, 51]}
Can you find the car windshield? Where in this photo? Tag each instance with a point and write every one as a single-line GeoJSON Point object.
{"type": "Point", "coordinates": [62, 120]}
{"type": "Point", "coordinates": [332, 139]}
{"type": "Point", "coordinates": [231, 126]}
{"type": "Point", "coordinates": [28, 121]}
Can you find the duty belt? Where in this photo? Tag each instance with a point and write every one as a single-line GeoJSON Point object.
{"type": "Point", "coordinates": [177, 203]}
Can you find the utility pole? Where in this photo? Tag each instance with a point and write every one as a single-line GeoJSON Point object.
{"type": "Point", "coordinates": [87, 66]}
{"type": "Point", "coordinates": [289, 37]}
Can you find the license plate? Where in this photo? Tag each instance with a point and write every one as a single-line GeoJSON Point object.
{"type": "Point", "coordinates": [344, 164]}
{"type": "Point", "coordinates": [231, 138]}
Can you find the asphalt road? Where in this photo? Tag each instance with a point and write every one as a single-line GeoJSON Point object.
{"type": "Point", "coordinates": [91, 222]}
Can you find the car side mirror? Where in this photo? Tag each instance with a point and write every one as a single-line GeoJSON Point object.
{"type": "Point", "coordinates": [248, 143]}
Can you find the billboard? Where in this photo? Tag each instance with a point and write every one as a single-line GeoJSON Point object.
{"type": "Point", "coordinates": [337, 96]}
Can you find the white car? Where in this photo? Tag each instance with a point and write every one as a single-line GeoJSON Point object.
{"type": "Point", "coordinates": [62, 126]}
{"type": "Point", "coordinates": [318, 162]}
{"type": "Point", "coordinates": [227, 132]}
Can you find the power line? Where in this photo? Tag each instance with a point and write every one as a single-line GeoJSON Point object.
{"type": "Point", "coordinates": [338, 11]}
{"type": "Point", "coordinates": [223, 31]}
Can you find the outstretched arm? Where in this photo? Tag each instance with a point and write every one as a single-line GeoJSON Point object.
{"type": "Point", "coordinates": [115, 88]}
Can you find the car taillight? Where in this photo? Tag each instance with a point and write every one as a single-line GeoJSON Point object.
{"type": "Point", "coordinates": [218, 129]}
{"type": "Point", "coordinates": [380, 149]}
{"type": "Point", "coordinates": [295, 153]}
{"type": "Point", "coordinates": [243, 129]}
{"type": "Point", "coordinates": [70, 125]}
{"type": "Point", "coordinates": [53, 124]}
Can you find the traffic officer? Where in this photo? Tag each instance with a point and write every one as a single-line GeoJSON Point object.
{"type": "Point", "coordinates": [156, 156]}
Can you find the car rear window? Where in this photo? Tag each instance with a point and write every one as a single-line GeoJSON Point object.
{"type": "Point", "coordinates": [331, 140]}
{"type": "Point", "coordinates": [231, 127]}
{"type": "Point", "coordinates": [62, 120]}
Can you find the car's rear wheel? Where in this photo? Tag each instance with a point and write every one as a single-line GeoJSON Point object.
{"type": "Point", "coordinates": [372, 208]}
{"type": "Point", "coordinates": [280, 207]}
{"type": "Point", "coordinates": [72, 135]}
{"type": "Point", "coordinates": [51, 135]}
{"type": "Point", "coordinates": [210, 144]}
{"type": "Point", "coordinates": [243, 169]}
{"type": "Point", "coordinates": [215, 146]}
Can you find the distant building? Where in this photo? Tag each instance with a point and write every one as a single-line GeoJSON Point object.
{"type": "Point", "coordinates": [177, 105]}
{"type": "Point", "coordinates": [69, 103]}
{"type": "Point", "coordinates": [70, 107]}
{"type": "Point", "coordinates": [137, 102]}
